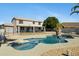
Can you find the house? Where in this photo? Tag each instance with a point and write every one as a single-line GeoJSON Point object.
{"type": "Point", "coordinates": [70, 27]}
{"type": "Point", "coordinates": [19, 25]}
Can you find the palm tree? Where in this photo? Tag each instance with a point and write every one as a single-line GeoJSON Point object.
{"type": "Point", "coordinates": [75, 9]}
{"type": "Point", "coordinates": [58, 29]}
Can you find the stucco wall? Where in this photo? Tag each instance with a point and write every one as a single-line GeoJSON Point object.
{"type": "Point", "coordinates": [28, 23]}
{"type": "Point", "coordinates": [70, 30]}
{"type": "Point", "coordinates": [9, 29]}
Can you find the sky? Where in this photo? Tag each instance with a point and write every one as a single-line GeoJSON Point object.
{"type": "Point", "coordinates": [37, 11]}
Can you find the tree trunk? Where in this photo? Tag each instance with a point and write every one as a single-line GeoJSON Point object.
{"type": "Point", "coordinates": [58, 32]}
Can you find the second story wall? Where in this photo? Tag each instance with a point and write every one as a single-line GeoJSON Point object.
{"type": "Point", "coordinates": [28, 23]}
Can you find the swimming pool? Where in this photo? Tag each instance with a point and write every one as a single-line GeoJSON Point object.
{"type": "Point", "coordinates": [35, 41]}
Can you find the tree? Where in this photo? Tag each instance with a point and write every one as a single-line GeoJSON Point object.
{"type": "Point", "coordinates": [50, 23]}
{"type": "Point", "coordinates": [53, 23]}
{"type": "Point", "coordinates": [75, 9]}
{"type": "Point", "coordinates": [58, 28]}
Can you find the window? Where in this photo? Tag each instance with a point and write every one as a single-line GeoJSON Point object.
{"type": "Point", "coordinates": [33, 22]}
{"type": "Point", "coordinates": [20, 21]}
{"type": "Point", "coordinates": [39, 23]}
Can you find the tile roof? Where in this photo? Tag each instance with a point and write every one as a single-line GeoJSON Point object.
{"type": "Point", "coordinates": [8, 24]}
{"type": "Point", "coordinates": [25, 19]}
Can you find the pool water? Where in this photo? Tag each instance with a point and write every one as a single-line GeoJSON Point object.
{"type": "Point", "coordinates": [53, 40]}
{"type": "Point", "coordinates": [35, 41]}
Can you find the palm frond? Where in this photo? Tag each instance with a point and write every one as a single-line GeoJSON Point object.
{"type": "Point", "coordinates": [74, 8]}
{"type": "Point", "coordinates": [76, 11]}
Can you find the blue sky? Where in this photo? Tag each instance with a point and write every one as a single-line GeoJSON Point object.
{"type": "Point", "coordinates": [37, 11]}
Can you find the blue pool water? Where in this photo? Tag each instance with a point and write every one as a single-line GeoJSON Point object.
{"type": "Point", "coordinates": [35, 41]}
